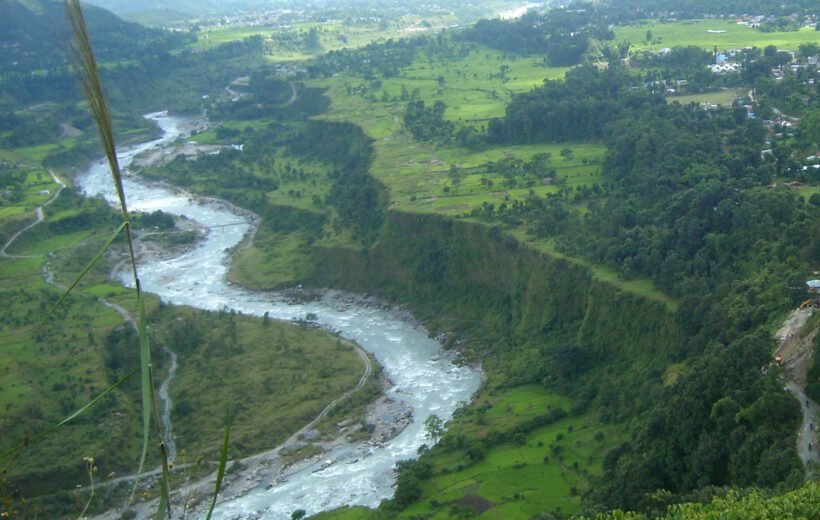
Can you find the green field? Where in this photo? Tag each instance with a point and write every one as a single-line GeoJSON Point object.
{"type": "Point", "coordinates": [286, 45]}
{"type": "Point", "coordinates": [474, 91]}
{"type": "Point", "coordinates": [418, 175]}
{"type": "Point", "coordinates": [213, 37]}
{"type": "Point", "coordinates": [721, 97]}
{"type": "Point", "coordinates": [808, 191]}
{"type": "Point", "coordinates": [33, 194]}
{"type": "Point", "coordinates": [544, 470]}
{"type": "Point", "coordinates": [51, 375]}
{"type": "Point", "coordinates": [272, 259]}
{"type": "Point", "coordinates": [681, 34]}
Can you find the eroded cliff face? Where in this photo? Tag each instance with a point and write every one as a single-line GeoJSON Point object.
{"type": "Point", "coordinates": [475, 279]}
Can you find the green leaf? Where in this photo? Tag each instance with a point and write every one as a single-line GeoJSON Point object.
{"type": "Point", "coordinates": [223, 461]}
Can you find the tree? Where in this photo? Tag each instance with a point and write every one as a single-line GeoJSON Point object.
{"type": "Point", "coordinates": [434, 427]}
{"type": "Point", "coordinates": [312, 42]}
{"type": "Point", "coordinates": [298, 514]}
{"type": "Point", "coordinates": [456, 174]}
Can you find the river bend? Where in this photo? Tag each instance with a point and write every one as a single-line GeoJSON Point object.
{"type": "Point", "coordinates": [428, 382]}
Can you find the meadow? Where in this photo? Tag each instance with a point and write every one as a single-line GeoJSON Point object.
{"type": "Point", "coordinates": [720, 97]}
{"type": "Point", "coordinates": [277, 376]}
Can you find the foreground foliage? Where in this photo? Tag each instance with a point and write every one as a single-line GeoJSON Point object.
{"type": "Point", "coordinates": [803, 502]}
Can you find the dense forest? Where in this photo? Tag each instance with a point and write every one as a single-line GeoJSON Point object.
{"type": "Point", "coordinates": [686, 202]}
{"type": "Point", "coordinates": [579, 107]}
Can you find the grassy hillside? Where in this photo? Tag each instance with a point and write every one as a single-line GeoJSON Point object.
{"type": "Point", "coordinates": [50, 373]}
{"type": "Point", "coordinates": [36, 35]}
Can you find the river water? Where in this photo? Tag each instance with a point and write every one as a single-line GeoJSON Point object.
{"type": "Point", "coordinates": [422, 377]}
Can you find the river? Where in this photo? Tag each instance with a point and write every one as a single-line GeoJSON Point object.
{"type": "Point", "coordinates": [422, 377]}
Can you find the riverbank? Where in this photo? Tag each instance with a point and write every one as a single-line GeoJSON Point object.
{"type": "Point", "coordinates": [384, 419]}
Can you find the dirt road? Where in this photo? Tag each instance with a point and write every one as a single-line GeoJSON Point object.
{"type": "Point", "coordinates": [796, 352]}
{"type": "Point", "coordinates": [239, 482]}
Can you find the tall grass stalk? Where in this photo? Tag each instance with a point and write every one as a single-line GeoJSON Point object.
{"type": "Point", "coordinates": [92, 88]}
{"type": "Point", "coordinates": [223, 457]}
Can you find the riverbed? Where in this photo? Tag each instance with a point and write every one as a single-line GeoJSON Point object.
{"type": "Point", "coordinates": [423, 377]}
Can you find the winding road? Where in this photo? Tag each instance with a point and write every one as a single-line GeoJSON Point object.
{"type": "Point", "coordinates": [40, 217]}
{"type": "Point", "coordinates": [294, 95]}
{"type": "Point", "coordinates": [807, 447]}
{"type": "Point", "coordinates": [236, 96]}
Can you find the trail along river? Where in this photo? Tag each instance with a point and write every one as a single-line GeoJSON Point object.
{"type": "Point", "coordinates": [427, 381]}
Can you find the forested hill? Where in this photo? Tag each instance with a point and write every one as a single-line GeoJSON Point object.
{"type": "Point", "coordinates": [190, 7]}
{"type": "Point", "coordinates": [34, 36]}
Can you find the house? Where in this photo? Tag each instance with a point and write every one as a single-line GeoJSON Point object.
{"type": "Point", "coordinates": [724, 68]}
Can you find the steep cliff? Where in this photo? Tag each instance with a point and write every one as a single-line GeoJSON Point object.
{"type": "Point", "coordinates": [504, 297]}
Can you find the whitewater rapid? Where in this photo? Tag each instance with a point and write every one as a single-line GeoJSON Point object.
{"type": "Point", "coordinates": [422, 376]}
